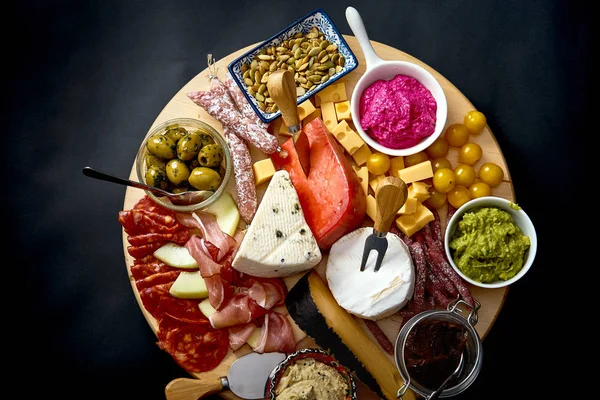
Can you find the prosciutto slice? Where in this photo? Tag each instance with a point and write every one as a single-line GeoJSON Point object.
{"type": "Point", "coordinates": [276, 335]}
{"type": "Point", "coordinates": [239, 334]}
{"type": "Point", "coordinates": [211, 232]}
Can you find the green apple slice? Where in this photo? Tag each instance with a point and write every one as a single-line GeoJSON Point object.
{"type": "Point", "coordinates": [189, 285]}
{"type": "Point", "coordinates": [227, 213]}
{"type": "Point", "coordinates": [206, 308]}
{"type": "Point", "coordinates": [176, 256]}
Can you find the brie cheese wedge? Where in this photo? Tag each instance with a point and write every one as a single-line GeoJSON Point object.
{"type": "Point", "coordinates": [368, 294]}
{"type": "Point", "coordinates": [279, 242]}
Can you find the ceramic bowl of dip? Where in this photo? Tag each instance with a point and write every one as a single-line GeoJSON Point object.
{"type": "Point", "coordinates": [504, 252]}
{"type": "Point", "coordinates": [331, 380]}
{"type": "Point", "coordinates": [417, 85]}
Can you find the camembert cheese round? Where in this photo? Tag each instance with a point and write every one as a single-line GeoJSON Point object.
{"type": "Point", "coordinates": [369, 294]}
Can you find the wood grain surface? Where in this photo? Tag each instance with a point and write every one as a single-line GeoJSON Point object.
{"type": "Point", "coordinates": [180, 106]}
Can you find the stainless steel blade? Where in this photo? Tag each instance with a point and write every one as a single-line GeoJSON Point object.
{"type": "Point", "coordinates": [248, 375]}
{"type": "Point", "coordinates": [378, 242]}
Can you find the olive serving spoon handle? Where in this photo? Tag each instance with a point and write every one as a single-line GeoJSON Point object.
{"type": "Point", "coordinates": [178, 198]}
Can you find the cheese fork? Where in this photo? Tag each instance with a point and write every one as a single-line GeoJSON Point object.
{"type": "Point", "coordinates": [390, 195]}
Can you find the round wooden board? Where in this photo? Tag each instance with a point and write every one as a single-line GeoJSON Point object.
{"type": "Point", "coordinates": [458, 105]}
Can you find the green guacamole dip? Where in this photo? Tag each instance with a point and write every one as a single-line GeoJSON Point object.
{"type": "Point", "coordinates": [488, 246]}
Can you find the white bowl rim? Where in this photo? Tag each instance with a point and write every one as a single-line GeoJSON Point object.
{"type": "Point", "coordinates": [405, 68]}
{"type": "Point", "coordinates": [526, 226]}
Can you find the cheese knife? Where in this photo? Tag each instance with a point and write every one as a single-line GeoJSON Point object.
{"type": "Point", "coordinates": [282, 89]}
{"type": "Point", "coordinates": [247, 378]}
{"type": "Point", "coordinates": [390, 195]}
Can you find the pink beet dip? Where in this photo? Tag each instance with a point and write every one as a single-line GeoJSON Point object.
{"type": "Point", "coordinates": [398, 113]}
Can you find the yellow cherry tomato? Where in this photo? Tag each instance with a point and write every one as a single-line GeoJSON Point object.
{"type": "Point", "coordinates": [415, 159]}
{"type": "Point", "coordinates": [439, 148]}
{"type": "Point", "coordinates": [440, 162]}
{"type": "Point", "coordinates": [465, 175]}
{"type": "Point", "coordinates": [457, 134]}
{"type": "Point", "coordinates": [470, 153]}
{"type": "Point", "coordinates": [436, 199]}
{"type": "Point", "coordinates": [444, 180]}
{"type": "Point", "coordinates": [458, 196]}
{"type": "Point", "coordinates": [480, 189]}
{"type": "Point", "coordinates": [378, 163]}
{"type": "Point", "coordinates": [491, 174]}
{"type": "Point", "coordinates": [475, 121]}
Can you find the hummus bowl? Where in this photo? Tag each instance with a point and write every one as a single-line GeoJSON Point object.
{"type": "Point", "coordinates": [383, 70]}
{"type": "Point", "coordinates": [313, 357]}
{"type": "Point", "coordinates": [503, 247]}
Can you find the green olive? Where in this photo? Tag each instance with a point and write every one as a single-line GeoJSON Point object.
{"type": "Point", "coordinates": [177, 172]}
{"type": "Point", "coordinates": [176, 132]}
{"type": "Point", "coordinates": [193, 163]}
{"type": "Point", "coordinates": [203, 178]}
{"type": "Point", "coordinates": [157, 178]}
{"type": "Point", "coordinates": [210, 155]}
{"type": "Point", "coordinates": [151, 160]}
{"type": "Point", "coordinates": [205, 138]}
{"type": "Point", "coordinates": [188, 147]}
{"type": "Point", "coordinates": [161, 146]}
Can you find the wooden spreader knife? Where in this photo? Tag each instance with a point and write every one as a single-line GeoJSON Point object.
{"type": "Point", "coordinates": [390, 195]}
{"type": "Point", "coordinates": [247, 378]}
{"type": "Point", "coordinates": [282, 89]}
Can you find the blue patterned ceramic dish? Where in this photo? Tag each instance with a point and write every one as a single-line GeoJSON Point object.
{"type": "Point", "coordinates": [318, 18]}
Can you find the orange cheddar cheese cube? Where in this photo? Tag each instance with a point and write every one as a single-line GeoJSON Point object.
{"type": "Point", "coordinates": [347, 137]}
{"type": "Point", "coordinates": [419, 190]}
{"type": "Point", "coordinates": [342, 110]}
{"type": "Point", "coordinates": [417, 172]}
{"type": "Point", "coordinates": [305, 109]}
{"type": "Point", "coordinates": [409, 224]}
{"type": "Point", "coordinates": [363, 177]}
{"type": "Point", "coordinates": [328, 115]}
{"type": "Point", "coordinates": [263, 170]}
{"type": "Point", "coordinates": [332, 93]}
{"type": "Point", "coordinates": [361, 155]}
{"type": "Point", "coordinates": [375, 182]}
{"type": "Point", "coordinates": [396, 164]}
{"type": "Point", "coordinates": [409, 207]}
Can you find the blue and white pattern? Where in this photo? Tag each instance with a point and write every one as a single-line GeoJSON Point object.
{"type": "Point", "coordinates": [317, 18]}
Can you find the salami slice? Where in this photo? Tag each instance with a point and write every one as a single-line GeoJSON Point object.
{"type": "Point", "coordinates": [157, 279]}
{"type": "Point", "coordinates": [144, 250]}
{"type": "Point", "coordinates": [195, 347]}
{"type": "Point", "coordinates": [143, 270]}
{"type": "Point", "coordinates": [179, 237]}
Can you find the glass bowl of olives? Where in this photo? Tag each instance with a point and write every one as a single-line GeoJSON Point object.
{"type": "Point", "coordinates": [184, 155]}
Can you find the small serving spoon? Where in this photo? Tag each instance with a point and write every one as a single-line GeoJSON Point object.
{"type": "Point", "coordinates": [184, 198]}
{"type": "Point", "coordinates": [438, 391]}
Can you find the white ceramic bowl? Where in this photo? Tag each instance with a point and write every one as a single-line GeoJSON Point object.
{"type": "Point", "coordinates": [386, 70]}
{"type": "Point", "coordinates": [520, 218]}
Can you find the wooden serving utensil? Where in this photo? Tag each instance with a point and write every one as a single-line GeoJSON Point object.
{"type": "Point", "coordinates": [282, 89]}
{"type": "Point", "coordinates": [390, 195]}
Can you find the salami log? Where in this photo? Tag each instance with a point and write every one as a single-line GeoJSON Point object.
{"type": "Point", "coordinates": [219, 104]}
{"type": "Point", "coordinates": [244, 174]}
{"type": "Point", "coordinates": [382, 339]}
{"type": "Point", "coordinates": [241, 102]}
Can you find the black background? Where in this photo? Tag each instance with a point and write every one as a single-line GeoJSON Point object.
{"type": "Point", "coordinates": [86, 80]}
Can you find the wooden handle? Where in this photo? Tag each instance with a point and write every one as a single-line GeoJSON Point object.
{"type": "Point", "coordinates": [390, 195]}
{"type": "Point", "coordinates": [191, 389]}
{"type": "Point", "coordinates": [282, 89]}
